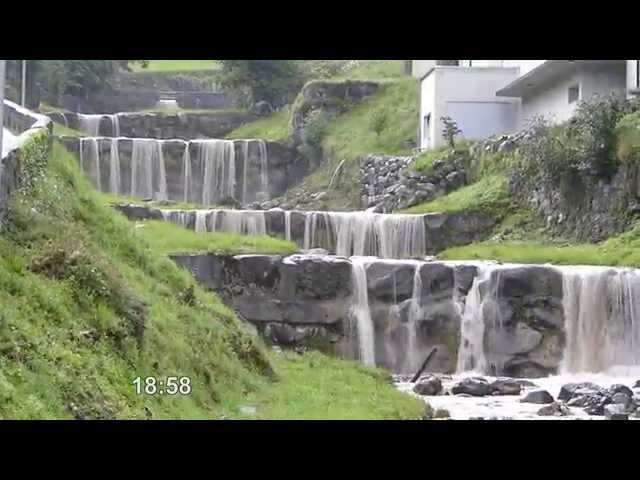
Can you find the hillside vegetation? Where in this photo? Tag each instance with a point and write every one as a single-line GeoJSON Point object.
{"type": "Point", "coordinates": [88, 305]}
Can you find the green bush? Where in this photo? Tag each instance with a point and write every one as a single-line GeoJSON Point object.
{"type": "Point", "coordinates": [628, 138]}
{"type": "Point", "coordinates": [379, 121]}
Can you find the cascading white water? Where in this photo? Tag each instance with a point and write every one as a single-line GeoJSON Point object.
{"type": "Point", "coordinates": [602, 318]}
{"type": "Point", "coordinates": [146, 154]}
{"type": "Point", "coordinates": [245, 168]}
{"type": "Point", "coordinates": [217, 158]}
{"type": "Point", "coordinates": [186, 172]}
{"type": "Point", "coordinates": [114, 168]}
{"type": "Point", "coordinates": [287, 225]}
{"type": "Point", "coordinates": [361, 311]}
{"type": "Point", "coordinates": [471, 354]}
{"type": "Point", "coordinates": [264, 169]}
{"type": "Point", "coordinates": [242, 222]}
{"type": "Point", "coordinates": [90, 123]}
{"type": "Point", "coordinates": [90, 159]}
{"type": "Point", "coordinates": [367, 233]}
{"type": "Point", "coordinates": [201, 221]}
{"type": "Point", "coordinates": [415, 315]}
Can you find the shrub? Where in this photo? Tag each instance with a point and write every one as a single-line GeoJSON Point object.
{"type": "Point", "coordinates": [450, 130]}
{"type": "Point", "coordinates": [379, 121]}
{"type": "Point", "coordinates": [315, 128]}
{"type": "Point", "coordinates": [627, 134]}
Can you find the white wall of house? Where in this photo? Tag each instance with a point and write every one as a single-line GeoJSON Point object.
{"type": "Point", "coordinates": [525, 66]}
{"type": "Point", "coordinates": [420, 67]}
{"type": "Point", "coordinates": [467, 95]}
{"type": "Point", "coordinates": [553, 100]}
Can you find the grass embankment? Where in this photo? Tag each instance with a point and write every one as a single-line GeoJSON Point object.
{"type": "Point", "coordinates": [88, 306]}
{"type": "Point", "coordinates": [164, 237]}
{"type": "Point", "coordinates": [61, 130]}
{"type": "Point", "coordinates": [489, 195]}
{"type": "Point", "coordinates": [350, 136]}
{"type": "Point", "coordinates": [176, 66]}
{"type": "Point", "coordinates": [336, 390]}
{"type": "Point", "coordinates": [275, 127]}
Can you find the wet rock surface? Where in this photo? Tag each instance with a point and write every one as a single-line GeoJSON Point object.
{"type": "Point", "coordinates": [555, 409]}
{"type": "Point", "coordinates": [429, 385]}
{"type": "Point", "coordinates": [474, 386]}
{"type": "Point", "coordinates": [537, 396]}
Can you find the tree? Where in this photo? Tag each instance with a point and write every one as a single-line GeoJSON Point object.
{"type": "Point", "coordinates": [273, 81]}
{"type": "Point", "coordinates": [76, 77]}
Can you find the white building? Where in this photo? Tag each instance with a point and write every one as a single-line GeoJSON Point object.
{"type": "Point", "coordinates": [489, 97]}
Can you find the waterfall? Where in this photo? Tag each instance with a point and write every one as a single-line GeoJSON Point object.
{"type": "Point", "coordinates": [264, 169]}
{"type": "Point", "coordinates": [360, 310]}
{"type": "Point", "coordinates": [218, 160]}
{"type": "Point", "coordinates": [367, 233]}
{"type": "Point", "coordinates": [90, 164]}
{"type": "Point", "coordinates": [201, 221]}
{"type": "Point", "coordinates": [287, 225]}
{"type": "Point", "coordinates": [471, 354]}
{"type": "Point", "coordinates": [186, 169]}
{"type": "Point", "coordinates": [245, 168]}
{"type": "Point", "coordinates": [415, 315]}
{"type": "Point", "coordinates": [146, 153]}
{"type": "Point", "coordinates": [114, 167]}
{"type": "Point", "coordinates": [90, 123]}
{"type": "Point", "coordinates": [602, 318]}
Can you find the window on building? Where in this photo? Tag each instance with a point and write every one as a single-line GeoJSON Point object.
{"type": "Point", "coordinates": [574, 93]}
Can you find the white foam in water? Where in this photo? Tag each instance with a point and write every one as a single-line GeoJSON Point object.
{"type": "Point", "coordinates": [361, 311]}
{"type": "Point", "coordinates": [114, 168]}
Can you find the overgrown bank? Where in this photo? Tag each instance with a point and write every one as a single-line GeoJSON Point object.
{"type": "Point", "coordinates": [89, 305]}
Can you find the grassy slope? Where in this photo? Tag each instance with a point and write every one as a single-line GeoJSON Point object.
{"type": "Point", "coordinates": [176, 66]}
{"type": "Point", "coordinates": [274, 127]}
{"type": "Point", "coordinates": [76, 280]}
{"type": "Point", "coordinates": [622, 250]}
{"type": "Point", "coordinates": [349, 137]}
{"type": "Point", "coordinates": [488, 194]}
{"type": "Point", "coordinates": [166, 237]}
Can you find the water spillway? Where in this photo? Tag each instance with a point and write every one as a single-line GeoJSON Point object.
{"type": "Point", "coordinates": [204, 171]}
{"type": "Point", "coordinates": [484, 318]}
{"type": "Point", "coordinates": [344, 233]}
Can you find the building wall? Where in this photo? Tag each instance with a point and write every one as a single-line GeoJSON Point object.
{"type": "Point", "coordinates": [468, 96]}
{"type": "Point", "coordinates": [420, 67]}
{"type": "Point", "coordinates": [633, 79]}
{"type": "Point", "coordinates": [525, 66]}
{"type": "Point", "coordinates": [552, 101]}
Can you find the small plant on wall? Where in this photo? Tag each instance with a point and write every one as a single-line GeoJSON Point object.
{"type": "Point", "coordinates": [450, 130]}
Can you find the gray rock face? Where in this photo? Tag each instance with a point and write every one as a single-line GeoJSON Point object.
{"type": "Point", "coordinates": [555, 409]}
{"type": "Point", "coordinates": [615, 412]}
{"type": "Point", "coordinates": [567, 391]}
{"type": "Point", "coordinates": [505, 386]}
{"type": "Point", "coordinates": [524, 320]}
{"type": "Point", "coordinates": [475, 386]}
{"type": "Point", "coordinates": [429, 385]}
{"type": "Point", "coordinates": [537, 396]}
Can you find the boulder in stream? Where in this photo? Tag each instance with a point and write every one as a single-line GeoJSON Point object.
{"type": "Point", "coordinates": [428, 385]}
{"type": "Point", "coordinates": [505, 386]}
{"type": "Point", "coordinates": [537, 396]}
{"type": "Point", "coordinates": [555, 409]}
{"type": "Point", "coordinates": [475, 386]}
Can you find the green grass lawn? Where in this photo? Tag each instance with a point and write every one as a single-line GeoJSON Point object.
{"type": "Point", "coordinates": [622, 250]}
{"type": "Point", "coordinates": [316, 387]}
{"type": "Point", "coordinates": [275, 127]}
{"type": "Point", "coordinates": [489, 194]}
{"type": "Point", "coordinates": [59, 129]}
{"type": "Point", "coordinates": [111, 198]}
{"type": "Point", "coordinates": [166, 237]}
{"type": "Point", "coordinates": [176, 66]}
{"type": "Point", "coordinates": [374, 70]}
